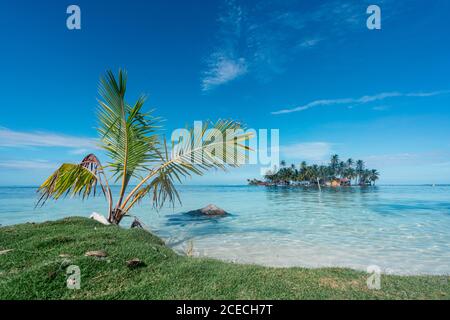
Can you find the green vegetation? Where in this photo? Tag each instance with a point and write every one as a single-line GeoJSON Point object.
{"type": "Point", "coordinates": [336, 173]}
{"type": "Point", "coordinates": [129, 137]}
{"type": "Point", "coordinates": [40, 253]}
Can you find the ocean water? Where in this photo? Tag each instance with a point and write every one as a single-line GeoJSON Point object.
{"type": "Point", "coordinates": [401, 229]}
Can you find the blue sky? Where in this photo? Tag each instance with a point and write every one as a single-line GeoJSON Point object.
{"type": "Point", "coordinates": [311, 69]}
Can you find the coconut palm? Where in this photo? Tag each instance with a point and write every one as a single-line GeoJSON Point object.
{"type": "Point", "coordinates": [350, 162]}
{"type": "Point", "coordinates": [324, 172]}
{"type": "Point", "coordinates": [341, 169]}
{"type": "Point", "coordinates": [334, 162]}
{"type": "Point", "coordinates": [350, 173]}
{"type": "Point", "coordinates": [374, 175]}
{"type": "Point", "coordinates": [365, 177]}
{"type": "Point", "coordinates": [303, 171]}
{"type": "Point", "coordinates": [360, 166]}
{"type": "Point", "coordinates": [136, 151]}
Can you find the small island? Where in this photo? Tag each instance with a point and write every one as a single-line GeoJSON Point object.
{"type": "Point", "coordinates": [336, 174]}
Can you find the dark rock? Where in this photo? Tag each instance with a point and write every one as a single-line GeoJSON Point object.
{"type": "Point", "coordinates": [135, 263]}
{"type": "Point", "coordinates": [136, 224]}
{"type": "Point", "coordinates": [210, 211]}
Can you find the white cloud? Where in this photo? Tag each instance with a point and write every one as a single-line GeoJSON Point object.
{"type": "Point", "coordinates": [27, 164]}
{"type": "Point", "coordinates": [309, 43]}
{"type": "Point", "coordinates": [308, 151]}
{"type": "Point", "coordinates": [269, 35]}
{"type": "Point", "coordinates": [358, 101]}
{"type": "Point", "coordinates": [222, 70]}
{"type": "Point", "coordinates": [226, 62]}
{"type": "Point", "coordinates": [11, 138]}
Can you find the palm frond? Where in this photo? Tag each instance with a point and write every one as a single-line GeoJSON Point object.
{"type": "Point", "coordinates": [76, 179]}
{"type": "Point", "coordinates": [194, 156]}
{"type": "Point", "coordinates": [127, 134]}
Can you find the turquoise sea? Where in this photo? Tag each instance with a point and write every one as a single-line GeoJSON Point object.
{"type": "Point", "coordinates": [401, 229]}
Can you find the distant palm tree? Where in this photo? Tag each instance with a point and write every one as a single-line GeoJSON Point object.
{"type": "Point", "coordinates": [283, 163]}
{"type": "Point", "coordinates": [316, 174]}
{"type": "Point", "coordinates": [350, 162]}
{"type": "Point", "coordinates": [128, 135]}
{"type": "Point", "coordinates": [341, 169]}
{"type": "Point", "coordinates": [303, 165]}
{"type": "Point", "coordinates": [350, 173]}
{"type": "Point", "coordinates": [324, 172]}
{"type": "Point", "coordinates": [334, 161]}
{"type": "Point", "coordinates": [359, 169]}
{"type": "Point", "coordinates": [365, 177]}
{"type": "Point", "coordinates": [374, 175]}
{"type": "Point", "coordinates": [302, 173]}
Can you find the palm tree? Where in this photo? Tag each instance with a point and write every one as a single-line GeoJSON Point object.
{"type": "Point", "coordinates": [350, 162]}
{"type": "Point", "coordinates": [365, 177]}
{"type": "Point", "coordinates": [269, 176]}
{"type": "Point", "coordinates": [136, 151]}
{"type": "Point", "coordinates": [324, 172]}
{"type": "Point", "coordinates": [374, 175]}
{"type": "Point", "coordinates": [350, 171]}
{"type": "Point", "coordinates": [314, 174]}
{"type": "Point", "coordinates": [359, 169]}
{"type": "Point", "coordinates": [341, 169]}
{"type": "Point", "coordinates": [334, 161]}
{"type": "Point", "coordinates": [350, 174]}
{"type": "Point", "coordinates": [303, 172]}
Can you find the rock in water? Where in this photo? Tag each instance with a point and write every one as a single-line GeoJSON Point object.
{"type": "Point", "coordinates": [210, 211]}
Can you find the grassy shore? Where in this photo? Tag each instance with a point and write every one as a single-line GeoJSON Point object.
{"type": "Point", "coordinates": [35, 269]}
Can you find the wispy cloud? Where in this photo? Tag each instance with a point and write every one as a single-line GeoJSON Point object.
{"type": "Point", "coordinates": [358, 101]}
{"type": "Point", "coordinates": [261, 38]}
{"type": "Point", "coordinates": [226, 62]}
{"type": "Point", "coordinates": [309, 151]}
{"type": "Point", "coordinates": [11, 138]}
{"type": "Point", "coordinates": [222, 70]}
{"type": "Point", "coordinates": [309, 43]}
{"type": "Point", "coordinates": [27, 164]}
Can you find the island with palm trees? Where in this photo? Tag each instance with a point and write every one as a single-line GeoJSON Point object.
{"type": "Point", "coordinates": [336, 174]}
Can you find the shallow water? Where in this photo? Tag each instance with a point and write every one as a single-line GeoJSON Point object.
{"type": "Point", "coordinates": [401, 229]}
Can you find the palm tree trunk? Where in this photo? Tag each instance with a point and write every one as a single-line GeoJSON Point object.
{"type": "Point", "coordinates": [116, 216]}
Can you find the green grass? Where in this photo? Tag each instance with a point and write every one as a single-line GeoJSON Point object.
{"type": "Point", "coordinates": [35, 270]}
